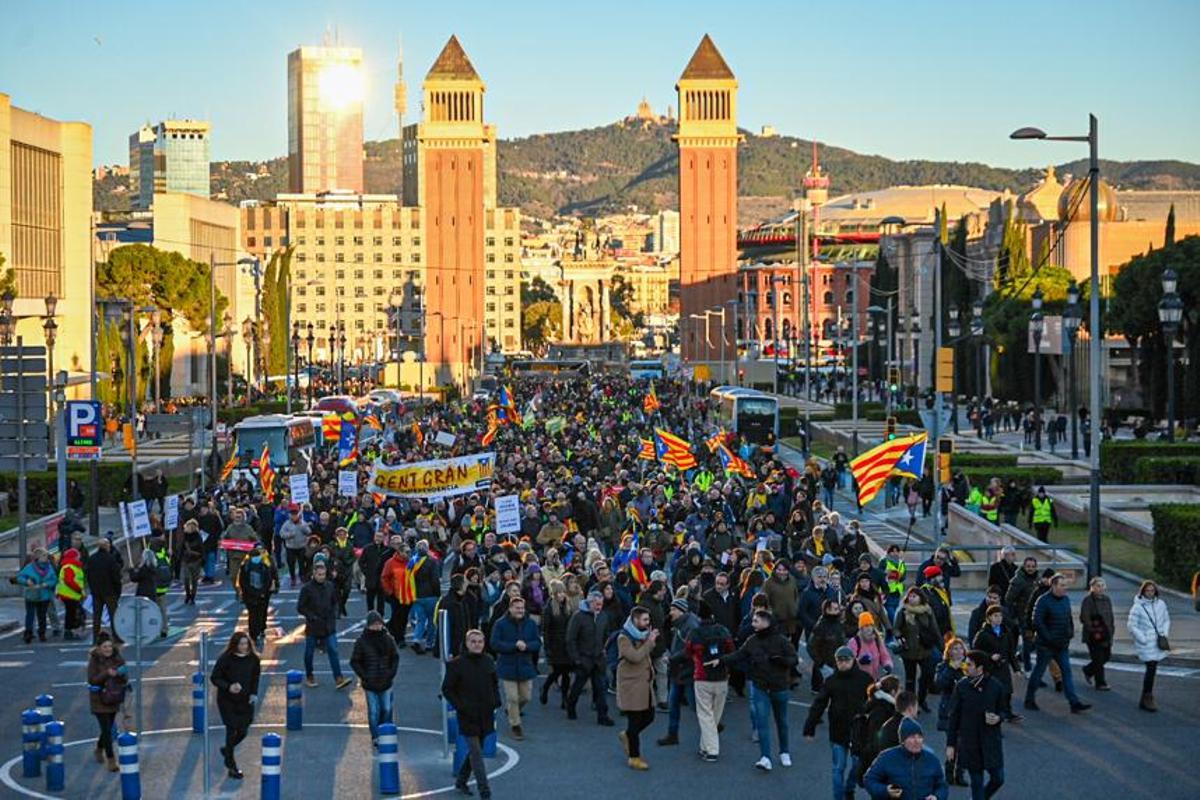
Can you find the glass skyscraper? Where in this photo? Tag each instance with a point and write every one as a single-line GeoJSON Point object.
{"type": "Point", "coordinates": [172, 156]}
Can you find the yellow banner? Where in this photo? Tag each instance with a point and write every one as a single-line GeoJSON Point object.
{"type": "Point", "coordinates": [444, 477]}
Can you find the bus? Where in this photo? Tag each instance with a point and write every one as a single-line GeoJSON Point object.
{"type": "Point", "coordinates": [648, 369]}
{"type": "Point", "coordinates": [749, 413]}
{"type": "Point", "coordinates": [551, 368]}
{"type": "Point", "coordinates": [291, 440]}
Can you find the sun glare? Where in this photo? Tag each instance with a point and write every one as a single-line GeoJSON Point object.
{"type": "Point", "coordinates": [340, 85]}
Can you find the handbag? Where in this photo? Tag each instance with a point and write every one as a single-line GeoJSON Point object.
{"type": "Point", "coordinates": [1160, 641]}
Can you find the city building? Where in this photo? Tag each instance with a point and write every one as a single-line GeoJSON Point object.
{"type": "Point", "coordinates": [665, 238]}
{"type": "Point", "coordinates": [45, 218]}
{"type": "Point", "coordinates": [708, 138]}
{"type": "Point", "coordinates": [325, 119]}
{"type": "Point", "coordinates": [172, 156]}
{"type": "Point", "coordinates": [650, 282]}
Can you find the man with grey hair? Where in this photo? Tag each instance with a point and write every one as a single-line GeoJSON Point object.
{"type": "Point", "coordinates": [587, 633]}
{"type": "Point", "coordinates": [1002, 571]}
{"type": "Point", "coordinates": [811, 599]}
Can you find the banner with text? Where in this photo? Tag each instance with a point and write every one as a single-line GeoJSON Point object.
{"type": "Point", "coordinates": [444, 477]}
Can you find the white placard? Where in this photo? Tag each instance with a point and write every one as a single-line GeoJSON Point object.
{"type": "Point", "coordinates": [508, 514]}
{"type": "Point", "coordinates": [171, 512]}
{"type": "Point", "coordinates": [298, 484]}
{"type": "Point", "coordinates": [139, 519]}
{"type": "Point", "coordinates": [124, 509]}
{"type": "Point", "coordinates": [348, 482]}
{"type": "Point", "coordinates": [445, 439]}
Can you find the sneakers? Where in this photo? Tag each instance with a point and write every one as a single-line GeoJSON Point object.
{"type": "Point", "coordinates": [605, 722]}
{"type": "Point", "coordinates": [785, 759]}
{"type": "Point", "coordinates": [463, 788]}
{"type": "Point", "coordinates": [1103, 687]}
{"type": "Point", "coordinates": [764, 764]}
{"type": "Point", "coordinates": [517, 733]}
{"type": "Point", "coordinates": [638, 764]}
{"type": "Point", "coordinates": [311, 682]}
{"type": "Point", "coordinates": [708, 757]}
{"type": "Point", "coordinates": [342, 682]}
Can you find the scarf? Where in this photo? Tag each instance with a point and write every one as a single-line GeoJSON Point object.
{"type": "Point", "coordinates": [632, 631]}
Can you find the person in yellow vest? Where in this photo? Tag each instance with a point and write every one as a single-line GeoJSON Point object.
{"type": "Point", "coordinates": [1042, 514]}
{"type": "Point", "coordinates": [989, 508]}
{"type": "Point", "coordinates": [894, 570]}
{"type": "Point", "coordinates": [70, 589]}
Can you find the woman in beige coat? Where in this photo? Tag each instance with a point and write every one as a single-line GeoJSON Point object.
{"type": "Point", "coordinates": [635, 682]}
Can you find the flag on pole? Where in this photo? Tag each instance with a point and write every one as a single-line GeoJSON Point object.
{"type": "Point", "coordinates": [715, 441]}
{"type": "Point", "coordinates": [648, 452]}
{"type": "Point", "coordinates": [673, 450]}
{"type": "Point", "coordinates": [650, 403]}
{"type": "Point", "coordinates": [347, 445]}
{"type": "Point", "coordinates": [231, 464]}
{"type": "Point", "coordinates": [331, 427]}
{"type": "Point", "coordinates": [493, 426]}
{"type": "Point", "coordinates": [912, 463]}
{"type": "Point", "coordinates": [266, 473]}
{"type": "Point", "coordinates": [638, 570]}
{"type": "Point", "coordinates": [734, 464]}
{"type": "Point", "coordinates": [872, 468]}
{"type": "Point", "coordinates": [372, 421]}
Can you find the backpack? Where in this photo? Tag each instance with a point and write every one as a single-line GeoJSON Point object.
{"type": "Point", "coordinates": [162, 573]}
{"type": "Point", "coordinates": [612, 653]}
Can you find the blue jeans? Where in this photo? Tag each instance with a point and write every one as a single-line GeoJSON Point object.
{"type": "Point", "coordinates": [210, 564]}
{"type": "Point", "coordinates": [845, 767]}
{"type": "Point", "coordinates": [979, 791]}
{"type": "Point", "coordinates": [38, 609]}
{"type": "Point", "coordinates": [330, 642]}
{"type": "Point", "coordinates": [827, 497]}
{"type": "Point", "coordinates": [1044, 657]}
{"type": "Point", "coordinates": [379, 710]}
{"type": "Point", "coordinates": [768, 703]}
{"type": "Point", "coordinates": [424, 625]}
{"type": "Point", "coordinates": [890, 604]}
{"type": "Point", "coordinates": [675, 704]}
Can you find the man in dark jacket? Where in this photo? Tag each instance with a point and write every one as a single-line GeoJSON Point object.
{"type": "Point", "coordinates": [1054, 627]}
{"type": "Point", "coordinates": [767, 658]}
{"type": "Point", "coordinates": [458, 615]}
{"type": "Point", "coordinates": [103, 574]}
{"type": "Point", "coordinates": [257, 580]}
{"type": "Point", "coordinates": [973, 736]}
{"type": "Point", "coordinates": [909, 770]}
{"type": "Point", "coordinates": [845, 695]}
{"type": "Point", "coordinates": [683, 622]}
{"type": "Point", "coordinates": [945, 561]}
{"type": "Point", "coordinates": [374, 661]}
{"type": "Point", "coordinates": [472, 687]}
{"type": "Point", "coordinates": [587, 633]}
{"type": "Point", "coordinates": [427, 572]}
{"type": "Point", "coordinates": [318, 604]}
{"type": "Point", "coordinates": [1001, 573]}
{"type": "Point", "coordinates": [1017, 601]}
{"type": "Point", "coordinates": [812, 598]}
{"type": "Point", "coordinates": [707, 641]}
{"type": "Point", "coordinates": [517, 642]}
{"type": "Point", "coordinates": [370, 564]}
{"type": "Point", "coordinates": [726, 611]}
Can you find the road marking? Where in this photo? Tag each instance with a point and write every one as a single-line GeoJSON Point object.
{"type": "Point", "coordinates": [13, 632]}
{"type": "Point", "coordinates": [13, 664]}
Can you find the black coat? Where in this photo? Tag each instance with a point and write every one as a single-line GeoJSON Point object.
{"type": "Point", "coordinates": [146, 580]}
{"type": "Point", "coordinates": [473, 688]}
{"type": "Point", "coordinates": [586, 635]}
{"type": "Point", "coordinates": [978, 745]}
{"type": "Point", "coordinates": [231, 669]}
{"type": "Point", "coordinates": [554, 634]}
{"type": "Point", "coordinates": [845, 695]}
{"type": "Point", "coordinates": [1000, 575]}
{"type": "Point", "coordinates": [767, 658]}
{"type": "Point", "coordinates": [459, 621]}
{"type": "Point", "coordinates": [375, 659]}
{"type": "Point", "coordinates": [103, 573]}
{"type": "Point", "coordinates": [318, 604]}
{"type": "Point", "coordinates": [725, 612]}
{"type": "Point", "coordinates": [371, 563]}
{"type": "Point", "coordinates": [1005, 644]}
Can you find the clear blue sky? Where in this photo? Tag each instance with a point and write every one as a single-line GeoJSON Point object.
{"type": "Point", "coordinates": [914, 79]}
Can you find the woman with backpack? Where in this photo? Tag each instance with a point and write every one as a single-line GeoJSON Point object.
{"type": "Point", "coordinates": [106, 692]}
{"type": "Point", "coordinates": [236, 675]}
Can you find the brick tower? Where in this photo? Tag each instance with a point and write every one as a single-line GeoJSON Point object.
{"type": "Point", "coordinates": [708, 140]}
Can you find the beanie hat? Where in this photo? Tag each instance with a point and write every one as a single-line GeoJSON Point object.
{"type": "Point", "coordinates": [865, 620]}
{"type": "Point", "coordinates": [680, 604]}
{"type": "Point", "coordinates": [910, 727]}
{"type": "Point", "coordinates": [1047, 573]}
{"type": "Point", "coordinates": [932, 571]}
{"type": "Point", "coordinates": [843, 653]}
{"type": "Point", "coordinates": [373, 617]}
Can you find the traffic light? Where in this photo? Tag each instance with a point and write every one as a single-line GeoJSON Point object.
{"type": "Point", "coordinates": [891, 428]}
{"type": "Point", "coordinates": [945, 369]}
{"type": "Point", "coordinates": [945, 450]}
{"type": "Point", "coordinates": [893, 378]}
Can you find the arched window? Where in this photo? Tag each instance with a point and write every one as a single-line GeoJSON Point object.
{"type": "Point", "coordinates": [827, 299]}
{"type": "Point", "coordinates": [769, 329]}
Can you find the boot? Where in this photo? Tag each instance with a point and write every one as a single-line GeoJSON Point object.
{"type": "Point", "coordinates": [545, 694]}
{"type": "Point", "coordinates": [112, 764]}
{"type": "Point", "coordinates": [1147, 703]}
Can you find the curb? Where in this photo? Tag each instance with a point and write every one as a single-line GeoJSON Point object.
{"type": "Point", "coordinates": [7, 625]}
{"type": "Point", "coordinates": [1187, 662]}
{"type": "Point", "coordinates": [1129, 576]}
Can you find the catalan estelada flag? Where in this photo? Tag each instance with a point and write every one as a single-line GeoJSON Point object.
{"type": "Point", "coordinates": [331, 427]}
{"type": "Point", "coordinates": [493, 427]}
{"type": "Point", "coordinates": [266, 473]}
{"type": "Point", "coordinates": [372, 421]}
{"type": "Point", "coordinates": [638, 570]}
{"type": "Point", "coordinates": [872, 468]}
{"type": "Point", "coordinates": [650, 403]}
{"type": "Point", "coordinates": [231, 464]}
{"type": "Point", "coordinates": [648, 453]}
{"type": "Point", "coordinates": [347, 446]}
{"type": "Point", "coordinates": [733, 463]}
{"type": "Point", "coordinates": [715, 441]}
{"type": "Point", "coordinates": [673, 450]}
{"type": "Point", "coordinates": [418, 434]}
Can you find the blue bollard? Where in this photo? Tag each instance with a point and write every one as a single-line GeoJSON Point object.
{"type": "Point", "coordinates": [489, 744]}
{"type": "Point", "coordinates": [272, 759]}
{"type": "Point", "coordinates": [55, 777]}
{"type": "Point", "coordinates": [389, 760]}
{"type": "Point", "coordinates": [127, 758]}
{"type": "Point", "coordinates": [295, 700]}
{"type": "Point", "coordinates": [31, 743]}
{"type": "Point", "coordinates": [198, 702]}
{"type": "Point", "coordinates": [44, 703]}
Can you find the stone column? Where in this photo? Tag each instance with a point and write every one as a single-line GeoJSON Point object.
{"type": "Point", "coordinates": [569, 312]}
{"type": "Point", "coordinates": [605, 311]}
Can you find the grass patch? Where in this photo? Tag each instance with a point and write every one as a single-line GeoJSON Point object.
{"type": "Point", "coordinates": [1115, 550]}
{"type": "Point", "coordinates": [819, 449]}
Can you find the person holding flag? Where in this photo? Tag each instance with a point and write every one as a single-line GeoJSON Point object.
{"type": "Point", "coordinates": [650, 403]}
{"type": "Point", "coordinates": [872, 469]}
{"type": "Point", "coordinates": [673, 450]}
{"type": "Point", "coordinates": [266, 474]}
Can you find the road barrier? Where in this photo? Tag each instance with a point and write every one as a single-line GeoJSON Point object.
{"type": "Point", "coordinates": [272, 758]}
{"type": "Point", "coordinates": [55, 776]}
{"type": "Point", "coordinates": [389, 760]}
{"type": "Point", "coordinates": [199, 689]}
{"type": "Point", "coordinates": [127, 758]}
{"type": "Point", "coordinates": [31, 743]}
{"type": "Point", "coordinates": [44, 703]}
{"type": "Point", "coordinates": [295, 700]}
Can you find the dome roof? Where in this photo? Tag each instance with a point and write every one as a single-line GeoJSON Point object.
{"type": "Point", "coordinates": [1107, 206]}
{"type": "Point", "coordinates": [1041, 202]}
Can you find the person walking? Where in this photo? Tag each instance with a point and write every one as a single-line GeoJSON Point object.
{"type": "Point", "coordinates": [872, 655]}
{"type": "Point", "coordinates": [556, 617]}
{"type": "Point", "coordinates": [106, 682]}
{"type": "Point", "coordinates": [374, 660]}
{"type": "Point", "coordinates": [103, 575]}
{"type": "Point", "coordinates": [973, 739]}
{"type": "Point", "coordinates": [517, 642]}
{"type": "Point", "coordinates": [236, 675]}
{"type": "Point", "coordinates": [162, 579]}
{"type": "Point", "coordinates": [909, 771]}
{"type": "Point", "coordinates": [767, 658]}
{"type": "Point", "coordinates": [682, 623]}
{"type": "Point", "coordinates": [191, 557]}
{"type": "Point", "coordinates": [370, 564]}
{"type": "Point", "coordinates": [425, 572]}
{"type": "Point", "coordinates": [707, 642]}
{"type": "Point", "coordinates": [1054, 628]}
{"type": "Point", "coordinates": [398, 589]}
{"type": "Point", "coordinates": [71, 587]}
{"type": "Point", "coordinates": [997, 639]}
{"type": "Point", "coordinates": [39, 581]}
{"type": "Point", "coordinates": [1149, 624]}
{"type": "Point", "coordinates": [918, 636]}
{"type": "Point", "coordinates": [587, 634]}
{"type": "Point", "coordinates": [1042, 514]}
{"type": "Point", "coordinates": [1096, 621]}
{"type": "Point", "coordinates": [294, 533]}
{"type": "Point", "coordinates": [635, 682]}
{"type": "Point", "coordinates": [341, 564]}
{"type": "Point", "coordinates": [472, 686]}
{"type": "Point", "coordinates": [845, 695]}
{"type": "Point", "coordinates": [256, 581]}
{"type": "Point", "coordinates": [318, 604]}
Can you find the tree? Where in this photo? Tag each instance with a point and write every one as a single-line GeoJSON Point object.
{"type": "Point", "coordinates": [272, 300]}
{"type": "Point", "coordinates": [8, 278]}
{"type": "Point", "coordinates": [537, 291]}
{"type": "Point", "coordinates": [620, 298]}
{"type": "Point", "coordinates": [1170, 237]}
{"type": "Point", "coordinates": [541, 323]}
{"type": "Point", "coordinates": [275, 310]}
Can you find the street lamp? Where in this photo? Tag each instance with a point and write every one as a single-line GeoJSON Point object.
{"type": "Point", "coordinates": [1170, 312]}
{"type": "Point", "coordinates": [295, 387]}
{"type": "Point", "coordinates": [309, 366]}
{"type": "Point", "coordinates": [248, 326]}
{"type": "Point", "coordinates": [977, 335]}
{"type": "Point", "coordinates": [1037, 324]}
{"type": "Point", "coordinates": [1072, 316]}
{"type": "Point", "coordinates": [955, 329]}
{"type": "Point", "coordinates": [156, 334]}
{"type": "Point", "coordinates": [227, 334]}
{"type": "Point", "coordinates": [914, 333]}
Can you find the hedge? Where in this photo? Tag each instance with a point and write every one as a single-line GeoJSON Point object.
{"type": "Point", "coordinates": [1176, 545]}
{"type": "Point", "coordinates": [1024, 476]}
{"type": "Point", "coordinates": [1167, 469]}
{"type": "Point", "coordinates": [904, 416]}
{"type": "Point", "coordinates": [846, 410]}
{"type": "Point", "coordinates": [233, 416]}
{"type": "Point", "coordinates": [983, 460]}
{"type": "Point", "coordinates": [1118, 459]}
{"type": "Point", "coordinates": [42, 487]}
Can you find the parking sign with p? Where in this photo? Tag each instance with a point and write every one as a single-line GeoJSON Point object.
{"type": "Point", "coordinates": [85, 430]}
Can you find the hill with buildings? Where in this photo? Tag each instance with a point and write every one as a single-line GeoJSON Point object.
{"type": "Point", "coordinates": [634, 162]}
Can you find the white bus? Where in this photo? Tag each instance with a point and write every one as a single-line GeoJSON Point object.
{"type": "Point", "coordinates": [647, 369]}
{"type": "Point", "coordinates": [748, 412]}
{"type": "Point", "coordinates": [291, 440]}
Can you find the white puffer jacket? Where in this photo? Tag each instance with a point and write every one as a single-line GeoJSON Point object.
{"type": "Point", "coordinates": [1149, 619]}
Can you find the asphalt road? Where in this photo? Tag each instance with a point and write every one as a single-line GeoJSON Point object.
{"type": "Point", "coordinates": [1112, 751]}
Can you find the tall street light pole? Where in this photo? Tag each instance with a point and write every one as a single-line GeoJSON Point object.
{"type": "Point", "coordinates": [1095, 328]}
{"type": "Point", "coordinates": [1170, 312]}
{"type": "Point", "coordinates": [1037, 324]}
{"type": "Point", "coordinates": [1071, 320]}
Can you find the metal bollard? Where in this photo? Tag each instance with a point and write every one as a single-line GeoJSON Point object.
{"type": "Point", "coordinates": [389, 760]}
{"type": "Point", "coordinates": [55, 777]}
{"type": "Point", "coordinates": [272, 749]}
{"type": "Point", "coordinates": [127, 758]}
{"type": "Point", "coordinates": [198, 702]}
{"type": "Point", "coordinates": [31, 743]}
{"type": "Point", "coordinates": [295, 700]}
{"type": "Point", "coordinates": [44, 703]}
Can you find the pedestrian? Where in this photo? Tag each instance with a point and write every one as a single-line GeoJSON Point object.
{"type": "Point", "coordinates": [103, 575]}
{"type": "Point", "coordinates": [845, 695]}
{"type": "Point", "coordinates": [39, 581]}
{"type": "Point", "coordinates": [374, 660]}
{"type": "Point", "coordinates": [973, 739]}
{"type": "Point", "coordinates": [236, 675]}
{"type": "Point", "coordinates": [294, 533]}
{"type": "Point", "coordinates": [556, 617]}
{"type": "Point", "coordinates": [681, 624]}
{"type": "Point", "coordinates": [106, 682]}
{"type": "Point", "coordinates": [71, 587]}
{"type": "Point", "coordinates": [191, 559]}
{"type": "Point", "coordinates": [823, 641]}
{"type": "Point", "coordinates": [318, 604]}
{"type": "Point", "coordinates": [1149, 624]}
{"type": "Point", "coordinates": [162, 579]}
{"type": "Point", "coordinates": [767, 658]}
{"type": "Point", "coordinates": [872, 655]}
{"type": "Point", "coordinates": [256, 581]}
{"type": "Point", "coordinates": [517, 642]}
{"type": "Point", "coordinates": [587, 635]}
{"type": "Point", "coordinates": [1054, 629]}
{"type": "Point", "coordinates": [426, 574]}
{"type": "Point", "coordinates": [882, 699]}
{"type": "Point", "coordinates": [1001, 573]}
{"type": "Point", "coordinates": [997, 639]}
{"type": "Point", "coordinates": [635, 682]}
{"type": "Point", "coordinates": [707, 642]}
{"type": "Point", "coordinates": [918, 637]}
{"type": "Point", "coordinates": [1096, 622]}
{"type": "Point", "coordinates": [341, 564]}
{"type": "Point", "coordinates": [370, 564]}
{"type": "Point", "coordinates": [239, 531]}
{"type": "Point", "coordinates": [1042, 514]}
{"type": "Point", "coordinates": [473, 689]}
{"type": "Point", "coordinates": [909, 771]}
{"type": "Point", "coordinates": [457, 603]}
{"type": "Point", "coordinates": [1018, 600]}
{"type": "Point", "coordinates": [398, 590]}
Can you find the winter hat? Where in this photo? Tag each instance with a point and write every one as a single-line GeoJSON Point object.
{"type": "Point", "coordinates": [373, 617]}
{"type": "Point", "coordinates": [1047, 573]}
{"type": "Point", "coordinates": [865, 620]}
{"type": "Point", "coordinates": [820, 572]}
{"type": "Point", "coordinates": [910, 727]}
{"type": "Point", "coordinates": [931, 572]}
{"type": "Point", "coordinates": [680, 604]}
{"type": "Point", "coordinates": [843, 653]}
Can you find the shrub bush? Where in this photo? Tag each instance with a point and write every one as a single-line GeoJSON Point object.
{"type": "Point", "coordinates": [904, 416]}
{"type": "Point", "coordinates": [42, 487]}
{"type": "Point", "coordinates": [233, 416]}
{"type": "Point", "coordinates": [1167, 469]}
{"type": "Point", "coordinates": [983, 460]}
{"type": "Point", "coordinates": [1118, 459]}
{"type": "Point", "coordinates": [1176, 545]}
{"type": "Point", "coordinates": [1024, 476]}
{"type": "Point", "coordinates": [865, 411]}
